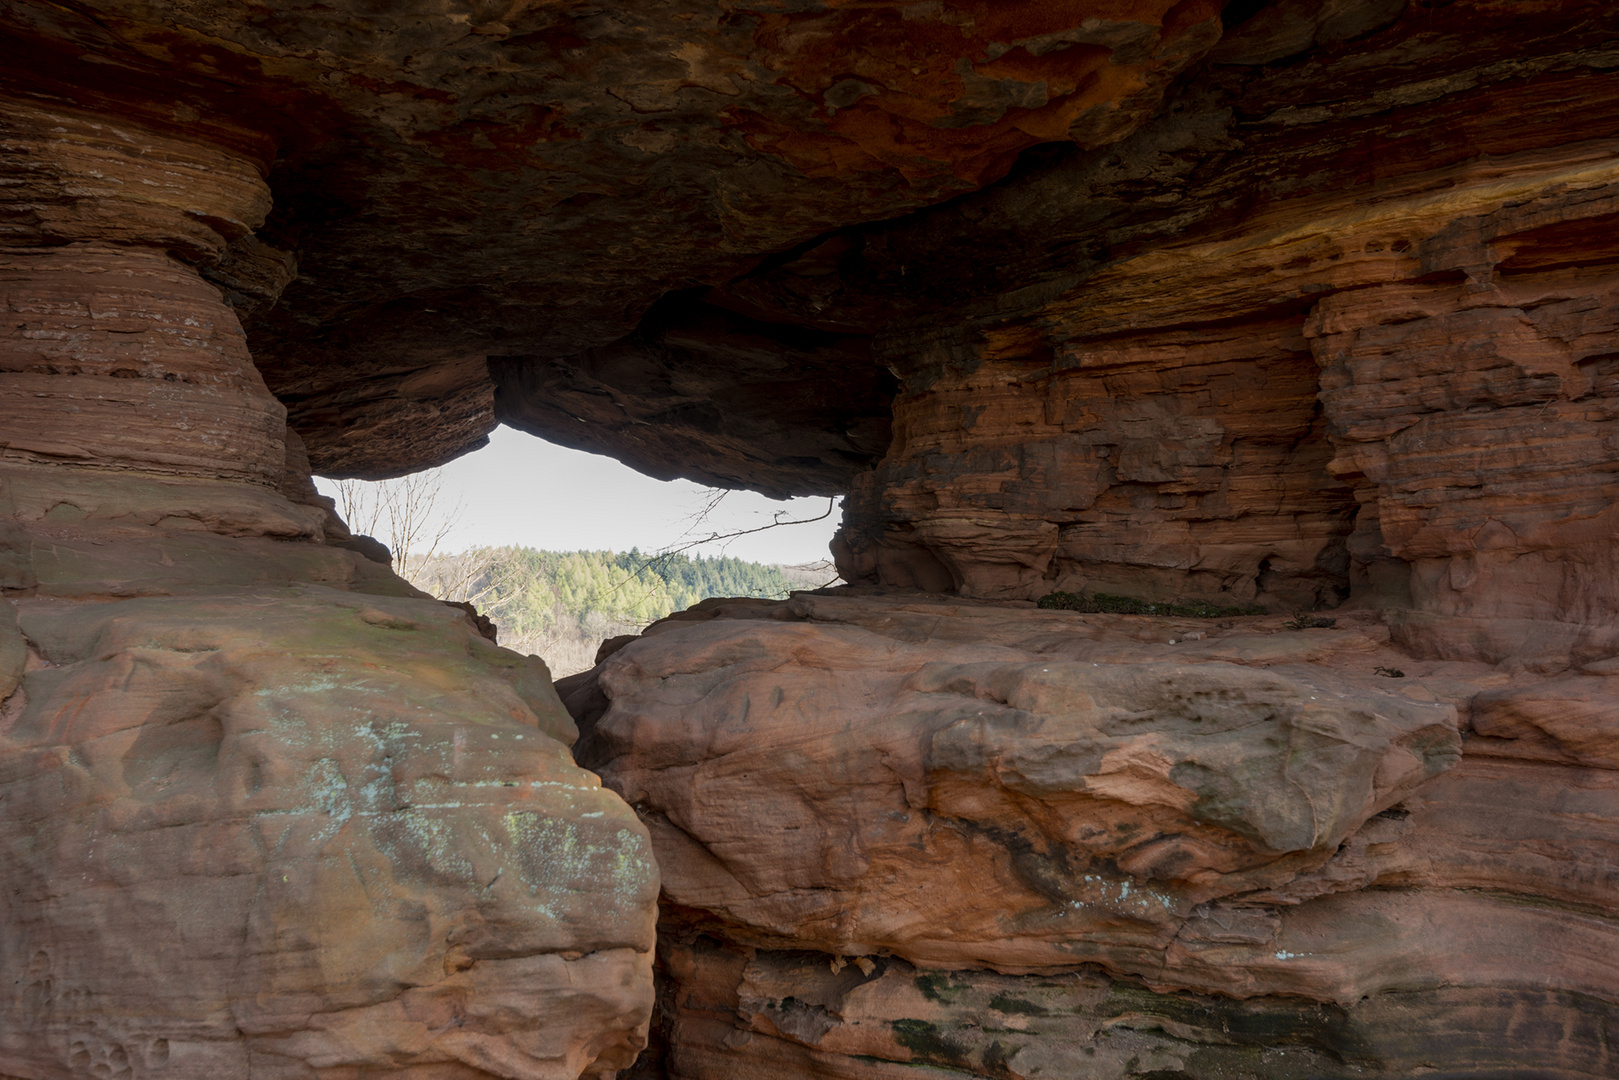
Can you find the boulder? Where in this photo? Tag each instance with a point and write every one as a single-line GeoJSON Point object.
{"type": "Point", "coordinates": [901, 832]}
{"type": "Point", "coordinates": [300, 832]}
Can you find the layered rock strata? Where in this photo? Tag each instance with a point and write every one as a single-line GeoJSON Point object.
{"type": "Point", "coordinates": [980, 839]}
{"type": "Point", "coordinates": [1377, 372]}
{"type": "Point", "coordinates": [460, 182]}
{"type": "Point", "coordinates": [265, 809]}
{"type": "Point", "coordinates": [1292, 305]}
{"type": "Point", "coordinates": [115, 352]}
{"type": "Point", "coordinates": [1438, 442]}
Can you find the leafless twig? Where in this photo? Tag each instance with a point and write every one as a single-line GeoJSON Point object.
{"type": "Point", "coordinates": [662, 557]}
{"type": "Point", "coordinates": [407, 509]}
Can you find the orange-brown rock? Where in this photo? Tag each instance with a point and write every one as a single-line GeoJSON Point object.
{"type": "Point", "coordinates": [304, 832]}
{"type": "Point", "coordinates": [739, 1011]}
{"type": "Point", "coordinates": [268, 809]}
{"type": "Point", "coordinates": [1180, 463]}
{"type": "Point", "coordinates": [265, 809]}
{"type": "Point", "coordinates": [1011, 840]}
{"type": "Point", "coordinates": [525, 182]}
{"type": "Point", "coordinates": [1384, 383]}
{"type": "Point", "coordinates": [114, 352]}
{"type": "Point", "coordinates": [1283, 303]}
{"type": "Point", "coordinates": [1475, 420]}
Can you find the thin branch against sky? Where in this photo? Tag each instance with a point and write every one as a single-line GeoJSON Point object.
{"type": "Point", "coordinates": [712, 499]}
{"type": "Point", "coordinates": [779, 521]}
{"type": "Point", "coordinates": [525, 492]}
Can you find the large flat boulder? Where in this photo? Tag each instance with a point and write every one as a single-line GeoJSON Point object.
{"type": "Point", "coordinates": [823, 785]}
{"type": "Point", "coordinates": [909, 835]}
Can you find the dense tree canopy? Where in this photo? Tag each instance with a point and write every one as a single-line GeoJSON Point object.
{"type": "Point", "coordinates": [538, 594]}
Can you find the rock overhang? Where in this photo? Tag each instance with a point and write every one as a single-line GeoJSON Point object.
{"type": "Point", "coordinates": [456, 183]}
{"type": "Point", "coordinates": [1143, 350]}
{"type": "Point", "coordinates": [1335, 319]}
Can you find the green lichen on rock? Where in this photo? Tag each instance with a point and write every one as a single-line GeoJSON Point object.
{"type": "Point", "coordinates": [928, 1043]}
{"type": "Point", "coordinates": [936, 986]}
{"type": "Point", "coordinates": [1006, 1003]}
{"type": "Point", "coordinates": [1110, 604]}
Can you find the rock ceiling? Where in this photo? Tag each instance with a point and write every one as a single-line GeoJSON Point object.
{"type": "Point", "coordinates": [671, 233]}
{"type": "Point", "coordinates": [1275, 307]}
{"type": "Point", "coordinates": [525, 181]}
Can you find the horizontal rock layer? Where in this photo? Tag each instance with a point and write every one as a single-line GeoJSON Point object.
{"type": "Point", "coordinates": [460, 183]}
{"type": "Point", "coordinates": [1375, 373]}
{"type": "Point", "coordinates": [265, 809]}
{"type": "Point", "coordinates": [738, 1011]}
{"type": "Point", "coordinates": [123, 358]}
{"type": "Point", "coordinates": [1190, 463]}
{"type": "Point", "coordinates": [902, 832]}
{"type": "Point", "coordinates": [114, 352]}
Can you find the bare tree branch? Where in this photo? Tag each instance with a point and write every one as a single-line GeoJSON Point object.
{"type": "Point", "coordinates": [407, 509]}
{"type": "Point", "coordinates": [717, 496]}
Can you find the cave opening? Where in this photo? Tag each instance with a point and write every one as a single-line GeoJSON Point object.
{"type": "Point", "coordinates": [1222, 399]}
{"type": "Point", "coordinates": [485, 530]}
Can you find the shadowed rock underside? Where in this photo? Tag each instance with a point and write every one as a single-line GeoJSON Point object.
{"type": "Point", "coordinates": [1305, 308]}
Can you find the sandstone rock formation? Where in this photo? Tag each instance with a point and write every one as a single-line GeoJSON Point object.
{"type": "Point", "coordinates": [372, 857]}
{"type": "Point", "coordinates": [1377, 371]}
{"type": "Point", "coordinates": [526, 180]}
{"type": "Point", "coordinates": [265, 809]}
{"type": "Point", "coordinates": [905, 832]}
{"type": "Point", "coordinates": [1284, 304]}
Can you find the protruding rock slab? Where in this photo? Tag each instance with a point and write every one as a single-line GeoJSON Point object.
{"type": "Point", "coordinates": [296, 832]}
{"type": "Point", "coordinates": [825, 785]}
{"type": "Point", "coordinates": [900, 833]}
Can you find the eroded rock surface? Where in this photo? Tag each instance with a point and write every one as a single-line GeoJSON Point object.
{"type": "Point", "coordinates": [305, 831]}
{"type": "Point", "coordinates": [1289, 304]}
{"type": "Point", "coordinates": [265, 809]}
{"type": "Point", "coordinates": [459, 182]}
{"type": "Point", "coordinates": [1293, 341]}
{"type": "Point", "coordinates": [744, 1011]}
{"type": "Point", "coordinates": [268, 810]}
{"type": "Point", "coordinates": [1032, 843]}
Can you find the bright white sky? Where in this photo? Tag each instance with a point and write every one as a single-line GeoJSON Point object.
{"type": "Point", "coordinates": [523, 490]}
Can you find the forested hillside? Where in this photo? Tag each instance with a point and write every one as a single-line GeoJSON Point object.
{"type": "Point", "coordinates": [563, 604]}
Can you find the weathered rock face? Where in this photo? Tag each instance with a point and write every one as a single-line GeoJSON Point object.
{"type": "Point", "coordinates": [265, 809]}
{"type": "Point", "coordinates": [1295, 304]}
{"type": "Point", "coordinates": [1073, 795]}
{"type": "Point", "coordinates": [749, 1012]}
{"type": "Point", "coordinates": [1475, 422]}
{"type": "Point", "coordinates": [701, 391]}
{"type": "Point", "coordinates": [463, 182]}
{"type": "Point", "coordinates": [1014, 843]}
{"type": "Point", "coordinates": [1190, 463]}
{"type": "Point", "coordinates": [1377, 371]}
{"type": "Point", "coordinates": [375, 860]}
{"type": "Point", "coordinates": [105, 324]}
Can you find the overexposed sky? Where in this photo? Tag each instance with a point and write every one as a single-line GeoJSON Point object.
{"type": "Point", "coordinates": [523, 490]}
